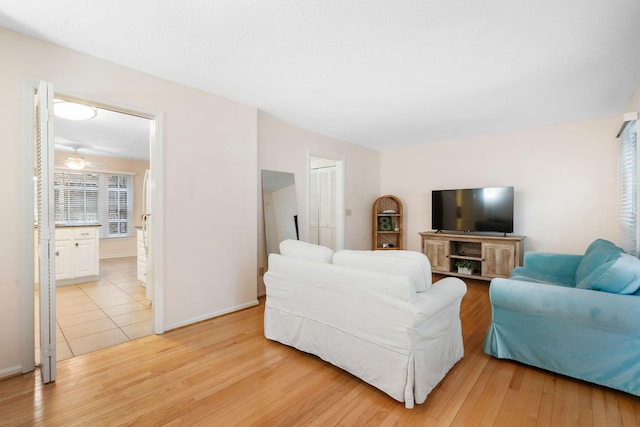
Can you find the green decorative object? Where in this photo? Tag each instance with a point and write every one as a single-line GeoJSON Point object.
{"type": "Point", "coordinates": [385, 223]}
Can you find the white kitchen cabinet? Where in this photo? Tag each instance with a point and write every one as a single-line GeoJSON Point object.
{"type": "Point", "coordinates": [77, 259]}
{"type": "Point", "coordinates": [64, 254]}
{"type": "Point", "coordinates": [85, 252]}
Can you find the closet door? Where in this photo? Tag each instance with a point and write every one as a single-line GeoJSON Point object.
{"type": "Point", "coordinates": [322, 206]}
{"type": "Point", "coordinates": [46, 229]}
{"type": "Point", "coordinates": [314, 202]}
{"type": "Point", "coordinates": [327, 207]}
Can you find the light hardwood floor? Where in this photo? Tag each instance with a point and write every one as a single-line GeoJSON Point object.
{"type": "Point", "coordinates": [223, 372]}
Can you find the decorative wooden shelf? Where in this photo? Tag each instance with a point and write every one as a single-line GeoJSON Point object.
{"type": "Point", "coordinates": [388, 231]}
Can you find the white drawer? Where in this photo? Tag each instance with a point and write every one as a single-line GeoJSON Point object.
{"type": "Point", "coordinates": [64, 233]}
{"type": "Point", "coordinates": [84, 233]}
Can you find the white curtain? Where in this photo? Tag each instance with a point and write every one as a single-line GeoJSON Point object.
{"type": "Point", "coordinates": [629, 187]}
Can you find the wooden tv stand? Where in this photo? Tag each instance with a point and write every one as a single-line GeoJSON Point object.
{"type": "Point", "coordinates": [494, 256]}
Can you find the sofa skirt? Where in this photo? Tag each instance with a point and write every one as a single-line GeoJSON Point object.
{"type": "Point", "coordinates": [405, 376]}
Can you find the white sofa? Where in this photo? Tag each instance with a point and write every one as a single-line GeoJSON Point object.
{"type": "Point", "coordinates": [375, 314]}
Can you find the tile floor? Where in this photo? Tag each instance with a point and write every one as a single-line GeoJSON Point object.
{"type": "Point", "coordinates": [95, 315]}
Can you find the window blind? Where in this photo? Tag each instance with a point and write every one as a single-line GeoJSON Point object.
{"type": "Point", "coordinates": [118, 212]}
{"type": "Point", "coordinates": [75, 197]}
{"type": "Point", "coordinates": [629, 187]}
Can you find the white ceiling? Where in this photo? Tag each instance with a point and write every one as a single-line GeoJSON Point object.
{"type": "Point", "coordinates": [109, 133]}
{"type": "Point", "coordinates": [379, 73]}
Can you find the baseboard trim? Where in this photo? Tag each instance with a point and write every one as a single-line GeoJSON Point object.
{"type": "Point", "coordinates": [208, 316]}
{"type": "Point", "coordinates": [76, 280]}
{"type": "Point", "coordinates": [10, 371]}
{"type": "Point", "coordinates": [120, 255]}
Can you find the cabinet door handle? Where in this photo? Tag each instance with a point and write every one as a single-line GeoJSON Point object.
{"type": "Point", "coordinates": [57, 253]}
{"type": "Point", "coordinates": [77, 245]}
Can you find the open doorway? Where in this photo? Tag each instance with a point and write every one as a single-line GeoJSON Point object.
{"type": "Point", "coordinates": [102, 210]}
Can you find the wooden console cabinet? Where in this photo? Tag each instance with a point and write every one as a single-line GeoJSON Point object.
{"type": "Point", "coordinates": [493, 256]}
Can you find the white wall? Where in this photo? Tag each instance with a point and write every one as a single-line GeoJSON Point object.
{"type": "Point", "coordinates": [565, 179]}
{"type": "Point", "coordinates": [634, 102]}
{"type": "Point", "coordinates": [286, 148]}
{"type": "Point", "coordinates": [210, 176]}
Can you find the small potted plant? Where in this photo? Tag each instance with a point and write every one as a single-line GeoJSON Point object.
{"type": "Point", "coordinates": [465, 266]}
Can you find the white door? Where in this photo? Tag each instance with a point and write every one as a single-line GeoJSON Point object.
{"type": "Point", "coordinates": [327, 207]}
{"type": "Point", "coordinates": [314, 201]}
{"type": "Point", "coordinates": [46, 230]}
{"type": "Point", "coordinates": [322, 206]}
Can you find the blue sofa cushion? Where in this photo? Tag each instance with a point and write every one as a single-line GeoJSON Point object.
{"type": "Point", "coordinates": [599, 253]}
{"type": "Point", "coordinates": [535, 276]}
{"type": "Point", "coordinates": [619, 276]}
{"type": "Point", "coordinates": [554, 268]}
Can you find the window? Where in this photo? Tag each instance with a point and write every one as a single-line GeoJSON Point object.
{"type": "Point", "coordinates": [629, 186]}
{"type": "Point", "coordinates": [119, 206]}
{"type": "Point", "coordinates": [92, 197]}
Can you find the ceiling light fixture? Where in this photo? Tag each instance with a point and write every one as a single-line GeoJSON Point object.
{"type": "Point", "coordinates": [73, 111]}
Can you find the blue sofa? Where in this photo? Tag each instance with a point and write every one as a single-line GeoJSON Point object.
{"type": "Point", "coordinates": [577, 315]}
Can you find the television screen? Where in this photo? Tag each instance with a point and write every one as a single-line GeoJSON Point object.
{"type": "Point", "coordinates": [473, 209]}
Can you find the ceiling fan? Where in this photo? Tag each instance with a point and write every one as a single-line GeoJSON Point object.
{"type": "Point", "coordinates": [75, 160]}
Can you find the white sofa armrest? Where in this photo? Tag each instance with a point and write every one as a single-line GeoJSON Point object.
{"type": "Point", "coordinates": [440, 295]}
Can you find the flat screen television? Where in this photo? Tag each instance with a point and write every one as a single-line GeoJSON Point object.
{"type": "Point", "coordinates": [487, 209]}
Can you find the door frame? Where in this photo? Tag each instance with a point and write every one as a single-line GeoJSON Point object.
{"type": "Point", "coordinates": [155, 273]}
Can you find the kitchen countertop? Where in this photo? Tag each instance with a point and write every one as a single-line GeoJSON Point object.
{"type": "Point", "coordinates": [77, 225]}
